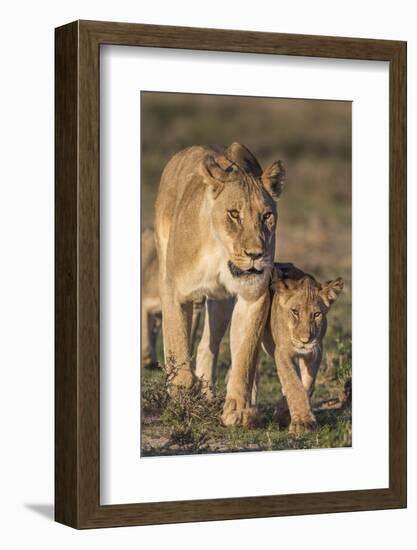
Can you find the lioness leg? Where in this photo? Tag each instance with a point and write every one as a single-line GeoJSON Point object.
{"type": "Point", "coordinates": [176, 328]}
{"type": "Point", "coordinates": [248, 321]}
{"type": "Point", "coordinates": [282, 414]}
{"type": "Point", "coordinates": [216, 320]}
{"type": "Point", "coordinates": [148, 357]}
{"type": "Point", "coordinates": [255, 386]}
{"type": "Point", "coordinates": [295, 395]}
{"type": "Point", "coordinates": [148, 339]}
{"type": "Point", "coordinates": [198, 307]}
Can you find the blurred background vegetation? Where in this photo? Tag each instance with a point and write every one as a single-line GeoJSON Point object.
{"type": "Point", "coordinates": [313, 138]}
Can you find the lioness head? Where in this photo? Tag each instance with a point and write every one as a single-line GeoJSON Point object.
{"type": "Point", "coordinates": [304, 304]}
{"type": "Point", "coordinates": [243, 209]}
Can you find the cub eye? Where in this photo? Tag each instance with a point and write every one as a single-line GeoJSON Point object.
{"type": "Point", "coordinates": [234, 214]}
{"type": "Point", "coordinates": [267, 215]}
{"type": "Point", "coordinates": [317, 314]}
{"type": "Point", "coordinates": [294, 312]}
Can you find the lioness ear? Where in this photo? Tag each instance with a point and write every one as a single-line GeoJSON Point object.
{"type": "Point", "coordinates": [241, 155]}
{"type": "Point", "coordinates": [214, 175]}
{"type": "Point", "coordinates": [273, 178]}
{"type": "Point", "coordinates": [331, 290]}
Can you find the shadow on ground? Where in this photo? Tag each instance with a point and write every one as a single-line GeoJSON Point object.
{"type": "Point", "coordinates": [45, 510]}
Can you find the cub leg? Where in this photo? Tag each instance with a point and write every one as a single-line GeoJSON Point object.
{"type": "Point", "coordinates": [216, 320]}
{"type": "Point", "coordinates": [176, 329]}
{"type": "Point", "coordinates": [308, 371]}
{"type": "Point", "coordinates": [248, 321]}
{"type": "Point", "coordinates": [296, 398]}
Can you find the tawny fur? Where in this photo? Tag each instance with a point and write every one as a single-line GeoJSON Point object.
{"type": "Point", "coordinates": [151, 302]}
{"type": "Point", "coordinates": [215, 217]}
{"type": "Point", "coordinates": [294, 332]}
{"type": "Point", "coordinates": [296, 342]}
{"type": "Point", "coordinates": [294, 335]}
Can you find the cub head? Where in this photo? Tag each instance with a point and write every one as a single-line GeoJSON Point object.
{"type": "Point", "coordinates": [243, 212]}
{"type": "Point", "coordinates": [303, 307]}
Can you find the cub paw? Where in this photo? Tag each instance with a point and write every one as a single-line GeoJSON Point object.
{"type": "Point", "coordinates": [233, 415]}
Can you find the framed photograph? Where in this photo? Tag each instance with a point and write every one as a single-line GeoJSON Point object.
{"type": "Point", "coordinates": [230, 274]}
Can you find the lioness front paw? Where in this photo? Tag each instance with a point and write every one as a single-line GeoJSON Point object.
{"type": "Point", "coordinates": [184, 378]}
{"type": "Point", "coordinates": [301, 425]}
{"type": "Point", "coordinates": [208, 392]}
{"type": "Point", "coordinates": [233, 415]}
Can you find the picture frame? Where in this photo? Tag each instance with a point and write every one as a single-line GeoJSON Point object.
{"type": "Point", "coordinates": [77, 291]}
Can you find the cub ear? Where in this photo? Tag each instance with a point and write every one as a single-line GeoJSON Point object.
{"type": "Point", "coordinates": [279, 285]}
{"type": "Point", "coordinates": [276, 274]}
{"type": "Point", "coordinates": [284, 290]}
{"type": "Point", "coordinates": [284, 287]}
{"type": "Point", "coordinates": [331, 290]}
{"type": "Point", "coordinates": [273, 178]}
{"type": "Point", "coordinates": [216, 176]}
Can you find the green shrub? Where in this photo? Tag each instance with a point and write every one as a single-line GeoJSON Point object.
{"type": "Point", "coordinates": [191, 417]}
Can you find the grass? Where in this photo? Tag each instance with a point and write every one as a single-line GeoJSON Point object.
{"type": "Point", "coordinates": [314, 232]}
{"type": "Point", "coordinates": [188, 423]}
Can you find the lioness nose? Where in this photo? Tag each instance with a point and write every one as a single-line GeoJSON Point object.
{"type": "Point", "coordinates": [254, 254]}
{"type": "Point", "coordinates": [305, 339]}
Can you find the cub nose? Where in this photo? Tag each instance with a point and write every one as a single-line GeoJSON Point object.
{"type": "Point", "coordinates": [253, 254]}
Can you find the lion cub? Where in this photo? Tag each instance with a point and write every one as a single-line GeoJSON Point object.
{"type": "Point", "coordinates": [294, 337]}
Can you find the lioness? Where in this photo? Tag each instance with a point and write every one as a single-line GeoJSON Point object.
{"type": "Point", "coordinates": [294, 337]}
{"type": "Point", "coordinates": [151, 302]}
{"type": "Point", "coordinates": [215, 218]}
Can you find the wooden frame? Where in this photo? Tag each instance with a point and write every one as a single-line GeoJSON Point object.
{"type": "Point", "coordinates": [77, 406]}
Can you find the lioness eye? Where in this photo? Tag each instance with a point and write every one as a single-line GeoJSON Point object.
{"type": "Point", "coordinates": [294, 312]}
{"type": "Point", "coordinates": [234, 214]}
{"type": "Point", "coordinates": [267, 215]}
{"type": "Point", "coordinates": [317, 314]}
